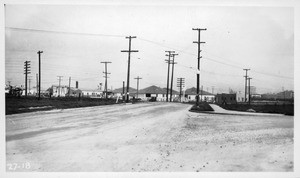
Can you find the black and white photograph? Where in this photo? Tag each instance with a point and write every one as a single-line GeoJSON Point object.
{"type": "Point", "coordinates": [149, 87]}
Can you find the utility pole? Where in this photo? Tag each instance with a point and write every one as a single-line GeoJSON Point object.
{"type": "Point", "coordinates": [180, 84]}
{"type": "Point", "coordinates": [106, 62]}
{"type": "Point", "coordinates": [199, 56]}
{"type": "Point", "coordinates": [246, 76]}
{"type": "Point", "coordinates": [29, 81]}
{"type": "Point", "coordinates": [137, 88]}
{"type": "Point", "coordinates": [37, 83]}
{"type": "Point", "coordinates": [59, 79]}
{"type": "Point", "coordinates": [201, 93]}
{"type": "Point", "coordinates": [123, 97]}
{"type": "Point", "coordinates": [173, 62]}
{"type": "Point", "coordinates": [249, 90]}
{"type": "Point", "coordinates": [69, 92]}
{"type": "Point", "coordinates": [168, 61]}
{"type": "Point", "coordinates": [283, 95]}
{"type": "Point", "coordinates": [129, 51]}
{"type": "Point", "coordinates": [27, 71]}
{"type": "Point", "coordinates": [212, 89]}
{"type": "Point", "coordinates": [39, 53]}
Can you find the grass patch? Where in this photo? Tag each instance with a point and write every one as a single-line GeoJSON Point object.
{"type": "Point", "coordinates": [14, 105]}
{"type": "Point", "coordinates": [287, 109]}
{"type": "Point", "coordinates": [200, 107]}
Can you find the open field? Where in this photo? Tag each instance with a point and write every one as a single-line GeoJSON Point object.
{"type": "Point", "coordinates": [148, 137]}
{"type": "Point", "coordinates": [14, 105]}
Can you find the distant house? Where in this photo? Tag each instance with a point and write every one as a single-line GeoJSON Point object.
{"type": "Point", "coordinates": [191, 93]}
{"type": "Point", "coordinates": [226, 98]}
{"type": "Point", "coordinates": [155, 93]}
{"type": "Point", "coordinates": [75, 92]}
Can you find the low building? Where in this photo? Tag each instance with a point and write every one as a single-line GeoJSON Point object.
{"type": "Point", "coordinates": [154, 93]}
{"type": "Point", "coordinates": [119, 92]}
{"type": "Point", "coordinates": [240, 97]}
{"type": "Point", "coordinates": [58, 91]}
{"type": "Point", "coordinates": [191, 93]}
{"type": "Point", "coordinates": [93, 93]}
{"type": "Point", "coordinates": [225, 98]}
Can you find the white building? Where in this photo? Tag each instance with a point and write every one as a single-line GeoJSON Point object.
{"type": "Point", "coordinates": [92, 93]}
{"type": "Point", "coordinates": [191, 93]}
{"type": "Point", "coordinates": [59, 91]}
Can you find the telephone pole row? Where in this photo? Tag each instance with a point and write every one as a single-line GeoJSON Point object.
{"type": "Point", "coordinates": [173, 62]}
{"type": "Point", "coordinates": [129, 51]}
{"type": "Point", "coordinates": [199, 56]}
{"type": "Point", "coordinates": [169, 62]}
{"type": "Point", "coordinates": [106, 62]}
{"type": "Point", "coordinates": [27, 71]}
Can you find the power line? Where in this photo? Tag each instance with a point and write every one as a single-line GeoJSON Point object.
{"type": "Point", "coordinates": [61, 32]}
{"type": "Point", "coordinates": [213, 60]}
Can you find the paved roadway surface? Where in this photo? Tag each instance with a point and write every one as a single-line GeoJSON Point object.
{"type": "Point", "coordinates": [148, 137]}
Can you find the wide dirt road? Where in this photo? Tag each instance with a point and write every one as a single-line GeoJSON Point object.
{"type": "Point", "coordinates": [147, 137]}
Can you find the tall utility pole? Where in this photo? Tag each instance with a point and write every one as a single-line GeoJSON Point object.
{"type": "Point", "coordinates": [129, 51]}
{"type": "Point", "coordinates": [106, 62]}
{"type": "Point", "coordinates": [59, 79]}
{"type": "Point", "coordinates": [199, 56]}
{"type": "Point", "coordinates": [69, 91]}
{"type": "Point", "coordinates": [249, 90]}
{"type": "Point", "coordinates": [137, 86]}
{"type": "Point", "coordinates": [173, 62]}
{"type": "Point", "coordinates": [27, 71]}
{"type": "Point", "coordinates": [180, 84]}
{"type": "Point", "coordinates": [246, 78]}
{"type": "Point", "coordinates": [168, 61]}
{"type": "Point", "coordinates": [39, 53]}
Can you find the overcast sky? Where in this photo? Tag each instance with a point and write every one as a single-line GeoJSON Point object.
{"type": "Point", "coordinates": [259, 38]}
